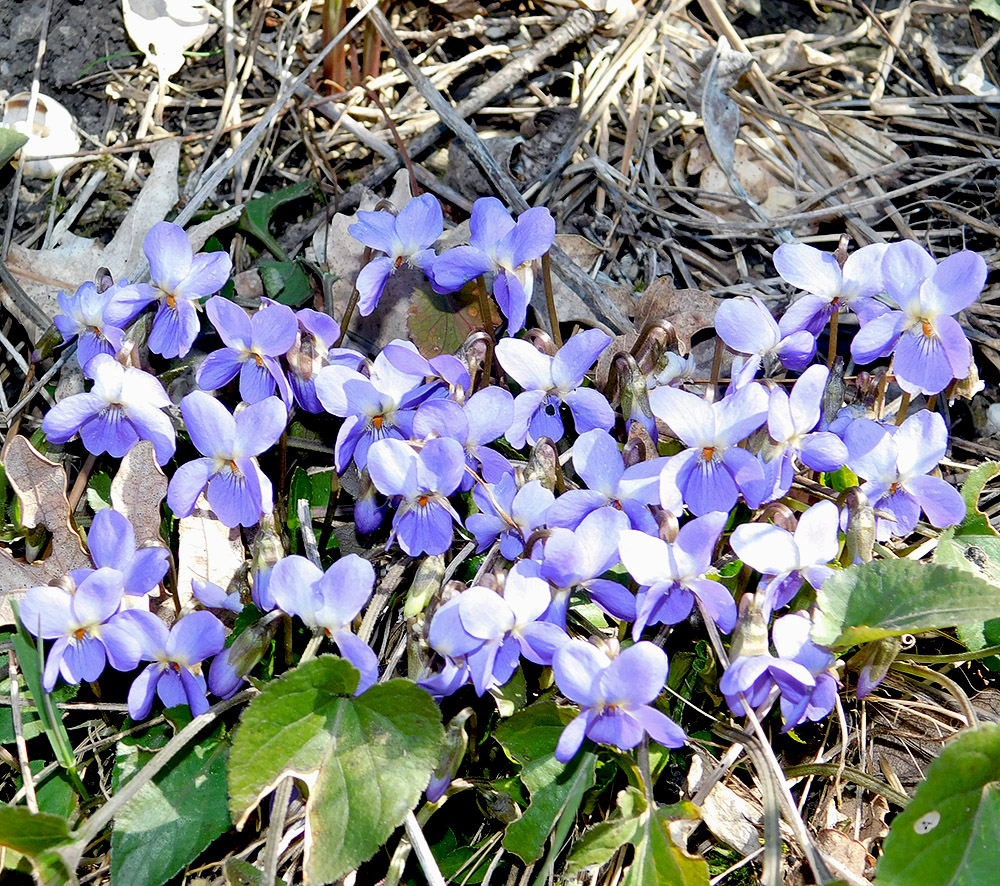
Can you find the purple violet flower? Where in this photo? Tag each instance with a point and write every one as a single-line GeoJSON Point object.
{"type": "Point", "coordinates": [404, 237]}
{"type": "Point", "coordinates": [87, 628]}
{"type": "Point", "coordinates": [424, 480]}
{"type": "Point", "coordinates": [253, 346]}
{"type": "Point", "coordinates": [548, 381]}
{"type": "Point", "coordinates": [930, 346]}
{"type": "Point", "coordinates": [329, 601]}
{"type": "Point", "coordinates": [111, 541]}
{"type": "Point", "coordinates": [791, 419]}
{"type": "Point", "coordinates": [179, 279]}
{"type": "Point", "coordinates": [787, 560]}
{"type": "Point", "coordinates": [97, 317]}
{"type": "Point", "coordinates": [238, 491]}
{"type": "Point", "coordinates": [828, 287]}
{"type": "Point", "coordinates": [375, 407]}
{"type": "Point", "coordinates": [896, 464]}
{"type": "Point", "coordinates": [176, 673]}
{"type": "Point", "coordinates": [672, 576]}
{"type": "Point", "coordinates": [123, 407]}
{"type": "Point", "coordinates": [615, 696]}
{"type": "Point", "coordinates": [709, 475]}
{"type": "Point", "coordinates": [508, 513]}
{"type": "Point", "coordinates": [212, 596]}
{"type": "Point", "coordinates": [802, 673]}
{"type": "Point", "coordinates": [314, 349]}
{"type": "Point", "coordinates": [747, 327]}
{"type": "Point", "coordinates": [599, 463]}
{"type": "Point", "coordinates": [485, 633]}
{"type": "Point", "coordinates": [500, 245]}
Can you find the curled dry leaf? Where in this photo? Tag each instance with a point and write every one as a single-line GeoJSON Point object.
{"type": "Point", "coordinates": [137, 491]}
{"type": "Point", "coordinates": [207, 550]}
{"type": "Point", "coordinates": [165, 29]}
{"type": "Point", "coordinates": [40, 485]}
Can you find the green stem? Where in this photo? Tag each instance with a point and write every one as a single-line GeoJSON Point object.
{"type": "Point", "coordinates": [863, 779]}
{"type": "Point", "coordinates": [946, 683]}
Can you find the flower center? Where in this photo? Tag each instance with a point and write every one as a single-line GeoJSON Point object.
{"type": "Point", "coordinates": [80, 633]}
{"type": "Point", "coordinates": [422, 501]}
{"type": "Point", "coordinates": [171, 301]}
{"type": "Point", "coordinates": [708, 452]}
{"type": "Point", "coordinates": [927, 328]}
{"type": "Point", "coordinates": [378, 420]}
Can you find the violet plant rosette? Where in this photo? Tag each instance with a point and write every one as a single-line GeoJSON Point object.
{"type": "Point", "coordinates": [547, 382]}
{"type": "Point", "coordinates": [503, 247]}
{"type": "Point", "coordinates": [123, 407]}
{"type": "Point", "coordinates": [615, 697]}
{"type": "Point", "coordinates": [237, 489]}
{"type": "Point", "coordinates": [928, 344]}
{"type": "Point", "coordinates": [406, 237]}
{"type": "Point", "coordinates": [252, 348]}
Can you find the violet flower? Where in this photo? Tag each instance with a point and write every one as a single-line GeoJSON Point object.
{"type": "Point", "coordinates": [896, 464]}
{"type": "Point", "coordinates": [576, 558]}
{"type": "Point", "coordinates": [179, 279]}
{"type": "Point", "coordinates": [314, 349]}
{"type": "Point", "coordinates": [599, 463]}
{"type": "Point", "coordinates": [710, 474]}
{"type": "Point", "coordinates": [253, 346]}
{"type": "Point", "coordinates": [930, 346]}
{"type": "Point", "coordinates": [176, 673]}
{"type": "Point", "coordinates": [672, 576]}
{"type": "Point", "coordinates": [786, 559]}
{"type": "Point", "coordinates": [508, 513]}
{"type": "Point", "coordinates": [405, 357]}
{"type": "Point", "coordinates": [97, 318]}
{"type": "Point", "coordinates": [111, 542]}
{"type": "Point", "coordinates": [615, 697]}
{"type": "Point", "coordinates": [802, 673]}
{"type": "Point", "coordinates": [423, 480]}
{"type": "Point", "coordinates": [329, 601]}
{"type": "Point", "coordinates": [548, 381]}
{"type": "Point", "coordinates": [791, 420]}
{"type": "Point", "coordinates": [489, 632]}
{"type": "Point", "coordinates": [747, 327]}
{"type": "Point", "coordinates": [483, 418]}
{"type": "Point", "coordinates": [504, 247]}
{"type": "Point", "coordinates": [123, 407]}
{"type": "Point", "coordinates": [828, 287]}
{"type": "Point", "coordinates": [375, 407]}
{"type": "Point", "coordinates": [404, 237]}
{"type": "Point", "coordinates": [86, 626]}
{"type": "Point", "coordinates": [238, 491]}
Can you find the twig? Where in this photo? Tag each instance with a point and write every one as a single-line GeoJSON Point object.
{"type": "Point", "coordinates": [550, 300]}
{"type": "Point", "coordinates": [304, 511]}
{"type": "Point", "coordinates": [423, 852]}
{"type": "Point", "coordinates": [279, 810]}
{"type": "Point", "coordinates": [22, 748]}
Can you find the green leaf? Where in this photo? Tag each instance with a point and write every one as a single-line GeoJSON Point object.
{"type": "Point", "coordinates": [365, 760]}
{"type": "Point", "coordinates": [11, 141]}
{"type": "Point", "coordinates": [658, 861]}
{"type": "Point", "coordinates": [599, 843]}
{"type": "Point", "coordinates": [976, 522]}
{"type": "Point", "coordinates": [439, 324]}
{"type": "Point", "coordinates": [948, 834]}
{"type": "Point", "coordinates": [256, 218]}
{"type": "Point", "coordinates": [242, 873]}
{"type": "Point", "coordinates": [32, 834]}
{"type": "Point", "coordinates": [530, 738]}
{"type": "Point", "coordinates": [979, 555]}
{"type": "Point", "coordinates": [174, 817]}
{"type": "Point", "coordinates": [285, 282]}
{"type": "Point", "coordinates": [987, 7]}
{"type": "Point", "coordinates": [886, 598]}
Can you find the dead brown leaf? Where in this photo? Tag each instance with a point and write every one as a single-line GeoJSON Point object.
{"type": "Point", "coordinates": [137, 491]}
{"type": "Point", "coordinates": [207, 550]}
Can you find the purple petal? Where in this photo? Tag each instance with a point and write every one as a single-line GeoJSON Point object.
{"type": "Point", "coordinates": [489, 223]}
{"type": "Point", "coordinates": [111, 539]}
{"type": "Point", "coordinates": [371, 284]}
{"type": "Point", "coordinates": [231, 322]}
{"type": "Point", "coordinates": [142, 692]}
{"type": "Point", "coordinates": [545, 421]}
{"type": "Point", "coordinates": [451, 270]}
{"type": "Point", "coordinates": [347, 586]}
{"type": "Point", "coordinates": [110, 431]}
{"type": "Point", "coordinates": [816, 533]}
{"type": "Point", "coordinates": [532, 236]}
{"type": "Point", "coordinates": [689, 417]}
{"type": "Point", "coordinates": [512, 299]}
{"type": "Point", "coordinates": [769, 549]}
{"type": "Point", "coordinates": [485, 614]}
{"type": "Point", "coordinates": [921, 363]}
{"type": "Point", "coordinates": [292, 585]}
{"type": "Point", "coordinates": [218, 369]}
{"type": "Point", "coordinates": [361, 655]}
{"type": "Point", "coordinates": [742, 323]}
{"type": "Point", "coordinates": [441, 465]}
{"type": "Point", "coordinates": [84, 660]}
{"type": "Point", "coordinates": [174, 329]}
{"type": "Point", "coordinates": [572, 737]}
{"type": "Point", "coordinates": [66, 418]}
{"type": "Point", "coordinates": [955, 283]}
{"type": "Point", "coordinates": [98, 597]}
{"type": "Point", "coordinates": [636, 676]}
{"type": "Point", "coordinates": [797, 350]}
{"type": "Point", "coordinates": [210, 425]}
{"type": "Point", "coordinates": [169, 253]}
{"type": "Point", "coordinates": [806, 267]}
{"type": "Point", "coordinates": [152, 424]}
{"type": "Point", "coordinates": [955, 345]}
{"type": "Point", "coordinates": [612, 598]}
{"type": "Point", "coordinates": [419, 223]}
{"type": "Point", "coordinates": [717, 602]}
{"type": "Point", "coordinates": [256, 380]}
{"type": "Point", "coordinates": [187, 484]}
{"type": "Point", "coordinates": [375, 229]}
{"type": "Point", "coordinates": [574, 358]}
{"type": "Point", "coordinates": [425, 529]}
{"type": "Point", "coordinates": [259, 426]}
{"type": "Point", "coordinates": [571, 507]}
{"type": "Point", "coordinates": [738, 415]}
{"type": "Point", "coordinates": [659, 726]}
{"type": "Point", "coordinates": [528, 366]}
{"type": "Point", "coordinates": [577, 667]}
{"type": "Point", "coordinates": [123, 648]}
{"type": "Point", "coordinates": [210, 271]}
{"type": "Point", "coordinates": [905, 266]}
{"type": "Point", "coordinates": [710, 487]}
{"type": "Point", "coordinates": [447, 634]}
{"type": "Point", "coordinates": [598, 461]}
{"type": "Point", "coordinates": [823, 451]}
{"type": "Point", "coordinates": [235, 496]}
{"type": "Point", "coordinates": [921, 441]}
{"type": "Point", "coordinates": [489, 414]}
{"type": "Point", "coordinates": [940, 501]}
{"type": "Point", "coordinates": [195, 692]}
{"type": "Point", "coordinates": [197, 636]}
{"type": "Point", "coordinates": [392, 466]}
{"type": "Point", "coordinates": [806, 398]}
{"type": "Point", "coordinates": [646, 557]}
{"type": "Point", "coordinates": [590, 409]}
{"type": "Point", "coordinates": [877, 337]}
{"type": "Point", "coordinates": [45, 612]}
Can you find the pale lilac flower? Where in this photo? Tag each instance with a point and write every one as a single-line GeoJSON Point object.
{"type": "Point", "coordinates": [615, 697]}
{"type": "Point", "coordinates": [828, 287]}
{"type": "Point", "coordinates": [930, 346]}
{"type": "Point", "coordinates": [450, 369]}
{"type": "Point", "coordinates": [504, 247]}
{"type": "Point", "coordinates": [111, 542]}
{"type": "Point", "coordinates": [786, 559]}
{"type": "Point", "coordinates": [314, 349]}
{"type": "Point", "coordinates": [672, 576]}
{"type": "Point", "coordinates": [238, 490]}
{"type": "Point", "coordinates": [896, 464]}
{"type": "Point", "coordinates": [123, 407]}
{"type": "Point", "coordinates": [486, 633]}
{"type": "Point", "coordinates": [483, 418]}
{"type": "Point", "coordinates": [179, 280]}
{"type": "Point", "coordinates": [253, 346]}
{"type": "Point", "coordinates": [599, 463]}
{"type": "Point", "coordinates": [406, 237]}
{"type": "Point", "coordinates": [85, 625]}
{"type": "Point", "coordinates": [791, 420]}
{"type": "Point", "coordinates": [329, 601]}
{"type": "Point", "coordinates": [176, 673]}
{"type": "Point", "coordinates": [508, 513]}
{"type": "Point", "coordinates": [549, 381]}
{"type": "Point", "coordinates": [802, 673]}
{"type": "Point", "coordinates": [375, 407]}
{"type": "Point", "coordinates": [711, 473]}
{"type": "Point", "coordinates": [423, 480]}
{"type": "Point", "coordinates": [212, 596]}
{"type": "Point", "coordinates": [747, 327]}
{"type": "Point", "coordinates": [97, 317]}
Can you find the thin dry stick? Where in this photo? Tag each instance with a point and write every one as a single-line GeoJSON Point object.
{"type": "Point", "coordinates": [550, 300]}
{"type": "Point", "coordinates": [484, 309]}
{"type": "Point", "coordinates": [27, 779]}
